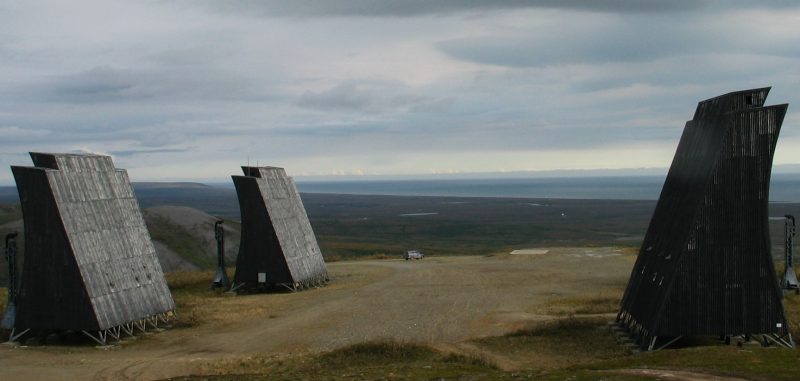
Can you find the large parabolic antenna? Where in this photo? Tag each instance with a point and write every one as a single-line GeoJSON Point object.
{"type": "Point", "coordinates": [705, 266]}
{"type": "Point", "coordinates": [89, 264]}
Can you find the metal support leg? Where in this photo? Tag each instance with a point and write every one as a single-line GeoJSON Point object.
{"type": "Point", "coordinates": [114, 333]}
{"type": "Point", "coordinates": [669, 343]}
{"type": "Point", "coordinates": [140, 325]}
{"type": "Point", "coordinates": [652, 343]}
{"type": "Point", "coordinates": [100, 338]}
{"type": "Point", "coordinates": [781, 341]}
{"type": "Point", "coordinates": [153, 320]}
{"type": "Point", "coordinates": [14, 337]}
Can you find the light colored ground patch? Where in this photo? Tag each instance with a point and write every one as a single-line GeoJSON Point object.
{"type": "Point", "coordinates": [529, 252]}
{"type": "Point", "coordinates": [597, 252]}
{"type": "Point", "coordinates": [678, 375]}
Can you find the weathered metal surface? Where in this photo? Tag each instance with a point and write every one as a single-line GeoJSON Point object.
{"type": "Point", "coordinates": [89, 261]}
{"type": "Point", "coordinates": [705, 266]}
{"type": "Point", "coordinates": [277, 239]}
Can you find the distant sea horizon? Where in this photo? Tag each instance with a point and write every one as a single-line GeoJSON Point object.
{"type": "Point", "coordinates": [783, 187]}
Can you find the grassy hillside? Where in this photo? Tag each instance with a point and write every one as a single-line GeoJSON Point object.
{"type": "Point", "coordinates": [179, 241]}
{"type": "Point", "coordinates": [188, 234]}
{"type": "Point", "coordinates": [9, 213]}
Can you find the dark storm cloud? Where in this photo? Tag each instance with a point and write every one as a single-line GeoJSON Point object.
{"type": "Point", "coordinates": [533, 51]}
{"type": "Point", "coordinates": [344, 96]}
{"type": "Point", "coordinates": [409, 8]}
{"type": "Point", "coordinates": [638, 39]}
{"type": "Point", "coordinates": [107, 84]}
{"type": "Point", "coordinates": [97, 85]}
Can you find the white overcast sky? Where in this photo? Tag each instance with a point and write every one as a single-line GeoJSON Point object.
{"type": "Point", "coordinates": [189, 90]}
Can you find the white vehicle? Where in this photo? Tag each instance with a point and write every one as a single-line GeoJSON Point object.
{"type": "Point", "coordinates": [414, 254]}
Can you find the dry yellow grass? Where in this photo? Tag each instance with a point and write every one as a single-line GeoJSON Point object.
{"type": "Point", "coordinates": [554, 344]}
{"type": "Point", "coordinates": [604, 302]}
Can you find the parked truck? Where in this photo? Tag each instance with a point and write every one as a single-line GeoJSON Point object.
{"type": "Point", "coordinates": [414, 254]}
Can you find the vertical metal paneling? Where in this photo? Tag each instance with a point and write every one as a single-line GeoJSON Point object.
{"type": "Point", "coordinates": [705, 265]}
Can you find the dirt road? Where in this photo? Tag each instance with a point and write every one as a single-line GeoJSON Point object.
{"type": "Point", "coordinates": [443, 301]}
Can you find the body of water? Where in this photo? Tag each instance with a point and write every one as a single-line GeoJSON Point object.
{"type": "Point", "coordinates": [783, 188]}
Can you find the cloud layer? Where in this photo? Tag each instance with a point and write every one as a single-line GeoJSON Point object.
{"type": "Point", "coordinates": [411, 8]}
{"type": "Point", "coordinates": [191, 90]}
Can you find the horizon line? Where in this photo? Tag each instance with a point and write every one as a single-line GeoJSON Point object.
{"type": "Point", "coordinates": [457, 175]}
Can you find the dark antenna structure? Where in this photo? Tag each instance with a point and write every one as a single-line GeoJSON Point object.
{"type": "Point", "coordinates": [11, 256]}
{"type": "Point", "coordinates": [74, 278]}
{"type": "Point", "coordinates": [278, 248]}
{"type": "Point", "coordinates": [221, 277]}
{"type": "Point", "coordinates": [705, 266]}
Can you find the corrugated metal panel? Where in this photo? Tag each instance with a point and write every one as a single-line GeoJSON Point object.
{"type": "Point", "coordinates": [96, 222]}
{"type": "Point", "coordinates": [277, 238]}
{"type": "Point", "coordinates": [705, 265]}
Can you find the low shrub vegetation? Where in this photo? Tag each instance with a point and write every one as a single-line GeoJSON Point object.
{"type": "Point", "coordinates": [372, 360]}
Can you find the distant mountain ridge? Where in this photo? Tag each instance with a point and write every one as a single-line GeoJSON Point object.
{"type": "Point", "coordinates": [216, 201]}
{"type": "Point", "coordinates": [170, 185]}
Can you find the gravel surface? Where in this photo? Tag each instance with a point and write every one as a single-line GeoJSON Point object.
{"type": "Point", "coordinates": [442, 301]}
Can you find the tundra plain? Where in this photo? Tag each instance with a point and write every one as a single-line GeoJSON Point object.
{"type": "Point", "coordinates": [469, 310]}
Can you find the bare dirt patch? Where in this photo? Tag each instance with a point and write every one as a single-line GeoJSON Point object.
{"type": "Point", "coordinates": [679, 375]}
{"type": "Point", "coordinates": [529, 252]}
